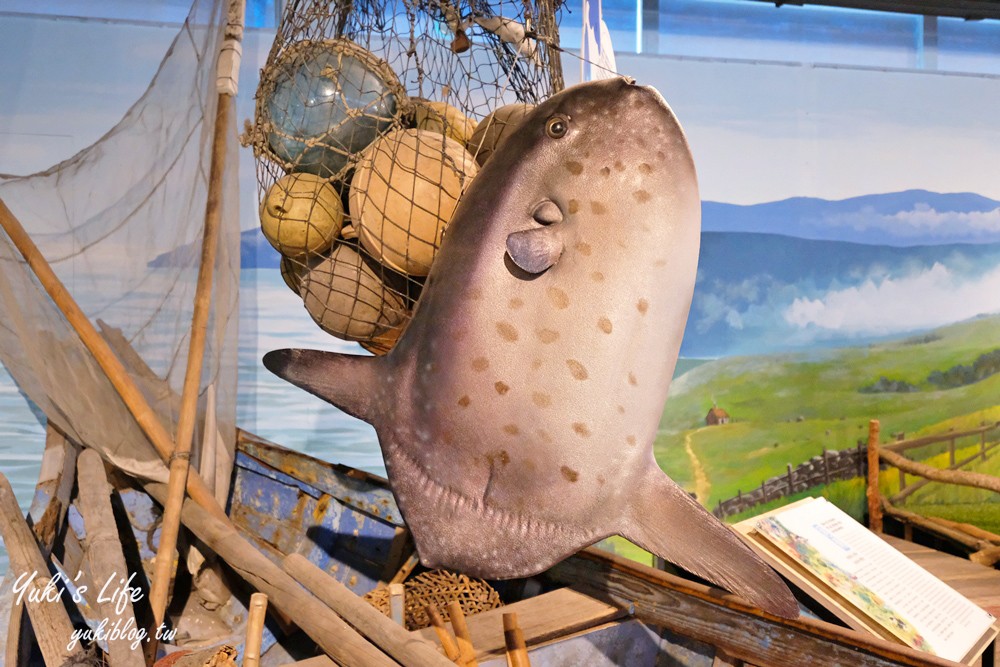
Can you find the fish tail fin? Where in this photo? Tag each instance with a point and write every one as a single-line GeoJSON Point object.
{"type": "Point", "coordinates": [350, 382]}
{"type": "Point", "coordinates": [668, 522]}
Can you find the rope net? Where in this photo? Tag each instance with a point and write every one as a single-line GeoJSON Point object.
{"type": "Point", "coordinates": [372, 118]}
{"type": "Point", "coordinates": [121, 224]}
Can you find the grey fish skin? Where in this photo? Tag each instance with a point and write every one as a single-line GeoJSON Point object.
{"type": "Point", "coordinates": [517, 413]}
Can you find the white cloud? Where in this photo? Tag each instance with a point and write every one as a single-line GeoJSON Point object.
{"type": "Point", "coordinates": [934, 297]}
{"type": "Point", "coordinates": [921, 220]}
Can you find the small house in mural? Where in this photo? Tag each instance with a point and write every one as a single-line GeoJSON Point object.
{"type": "Point", "coordinates": [716, 416]}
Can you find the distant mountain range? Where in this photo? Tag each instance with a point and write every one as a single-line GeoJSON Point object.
{"type": "Point", "coordinates": [913, 217]}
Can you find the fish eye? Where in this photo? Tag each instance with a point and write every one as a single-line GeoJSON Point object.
{"type": "Point", "coordinates": [556, 127]}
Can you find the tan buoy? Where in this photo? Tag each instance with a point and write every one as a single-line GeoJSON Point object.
{"type": "Point", "coordinates": [444, 119]}
{"type": "Point", "coordinates": [301, 215]}
{"type": "Point", "coordinates": [496, 127]}
{"type": "Point", "coordinates": [404, 191]}
{"type": "Point", "coordinates": [383, 343]}
{"type": "Point", "coordinates": [294, 268]}
{"type": "Point", "coordinates": [347, 299]}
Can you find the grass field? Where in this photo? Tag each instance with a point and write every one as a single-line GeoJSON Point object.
{"type": "Point", "coordinates": [788, 408]}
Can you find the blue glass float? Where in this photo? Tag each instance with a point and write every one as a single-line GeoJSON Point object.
{"type": "Point", "coordinates": [330, 99]}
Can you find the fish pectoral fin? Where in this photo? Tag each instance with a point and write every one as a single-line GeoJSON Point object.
{"type": "Point", "coordinates": [668, 522]}
{"type": "Point", "coordinates": [350, 382]}
{"type": "Point", "coordinates": [535, 250]}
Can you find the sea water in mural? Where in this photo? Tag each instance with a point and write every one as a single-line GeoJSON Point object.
{"type": "Point", "coordinates": [812, 317]}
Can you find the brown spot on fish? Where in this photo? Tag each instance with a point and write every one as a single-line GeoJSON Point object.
{"type": "Point", "coordinates": [573, 206]}
{"type": "Point", "coordinates": [598, 208]}
{"type": "Point", "coordinates": [600, 479]}
{"type": "Point", "coordinates": [605, 172]}
{"type": "Point", "coordinates": [605, 325]}
{"type": "Point", "coordinates": [464, 401]}
{"type": "Point", "coordinates": [660, 262]}
{"type": "Point", "coordinates": [645, 168]}
{"type": "Point", "coordinates": [541, 399]}
{"type": "Point", "coordinates": [474, 293]}
{"type": "Point", "coordinates": [536, 364]}
{"type": "Point", "coordinates": [642, 196]}
{"type": "Point", "coordinates": [544, 436]}
{"type": "Point", "coordinates": [515, 303]}
{"type": "Point", "coordinates": [631, 379]}
{"type": "Point", "coordinates": [570, 474]}
{"type": "Point", "coordinates": [547, 335]}
{"type": "Point", "coordinates": [581, 429]}
{"type": "Point", "coordinates": [643, 306]}
{"type": "Point", "coordinates": [578, 370]}
{"type": "Point", "coordinates": [621, 409]}
{"type": "Point", "coordinates": [558, 298]}
{"type": "Point", "coordinates": [660, 155]}
{"type": "Point", "coordinates": [480, 364]}
{"type": "Point", "coordinates": [583, 248]}
{"type": "Point", "coordinates": [619, 166]}
{"type": "Point", "coordinates": [504, 457]}
{"type": "Point", "coordinates": [511, 429]}
{"type": "Point", "coordinates": [507, 331]}
{"type": "Point", "coordinates": [597, 277]}
{"type": "Point", "coordinates": [630, 440]}
{"type": "Point", "coordinates": [501, 387]}
{"type": "Point", "coordinates": [574, 167]}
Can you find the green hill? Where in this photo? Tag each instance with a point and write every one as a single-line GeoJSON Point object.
{"type": "Point", "coordinates": [788, 408]}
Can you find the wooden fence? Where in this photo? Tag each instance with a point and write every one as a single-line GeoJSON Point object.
{"type": "Point", "coordinates": [829, 467]}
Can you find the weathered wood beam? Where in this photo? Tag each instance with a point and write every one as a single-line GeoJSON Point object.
{"type": "Point", "coordinates": [961, 477]}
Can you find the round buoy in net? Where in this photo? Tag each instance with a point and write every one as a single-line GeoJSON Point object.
{"type": "Point", "coordinates": [496, 127]}
{"type": "Point", "coordinates": [301, 215]}
{"type": "Point", "coordinates": [443, 119]}
{"type": "Point", "coordinates": [346, 298]}
{"type": "Point", "coordinates": [383, 343]}
{"type": "Point", "coordinates": [404, 191]}
{"type": "Point", "coordinates": [325, 101]}
{"type": "Point", "coordinates": [293, 269]}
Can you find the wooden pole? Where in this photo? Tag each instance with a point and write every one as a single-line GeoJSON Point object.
{"type": "Point", "coordinates": [339, 640]}
{"type": "Point", "coordinates": [409, 649]}
{"type": "Point", "coordinates": [874, 499]}
{"type": "Point", "coordinates": [447, 641]}
{"type": "Point", "coordinates": [517, 650]}
{"type": "Point", "coordinates": [126, 388]}
{"type": "Point", "coordinates": [180, 459]}
{"type": "Point", "coordinates": [466, 652]}
{"type": "Point", "coordinates": [104, 554]}
{"type": "Point", "coordinates": [960, 477]}
{"type": "Point", "coordinates": [48, 616]}
{"type": "Point", "coordinates": [255, 630]}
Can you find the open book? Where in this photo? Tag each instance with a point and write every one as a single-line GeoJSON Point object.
{"type": "Point", "coordinates": [866, 582]}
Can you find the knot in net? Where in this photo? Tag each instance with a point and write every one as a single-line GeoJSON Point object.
{"type": "Point", "coordinates": [372, 119]}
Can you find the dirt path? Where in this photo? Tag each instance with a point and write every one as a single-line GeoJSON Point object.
{"type": "Point", "coordinates": [702, 486]}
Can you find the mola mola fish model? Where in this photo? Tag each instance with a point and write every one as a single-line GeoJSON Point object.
{"type": "Point", "coordinates": [517, 412]}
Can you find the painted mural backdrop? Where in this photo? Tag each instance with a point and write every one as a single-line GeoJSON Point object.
{"type": "Point", "coordinates": [849, 270]}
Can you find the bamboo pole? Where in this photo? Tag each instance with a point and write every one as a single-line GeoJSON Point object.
{"type": "Point", "coordinates": [49, 619]}
{"type": "Point", "coordinates": [447, 641]}
{"type": "Point", "coordinates": [466, 652]}
{"type": "Point", "coordinates": [517, 650]}
{"type": "Point", "coordinates": [180, 459]}
{"type": "Point", "coordinates": [874, 501]}
{"type": "Point", "coordinates": [104, 554]}
{"type": "Point", "coordinates": [407, 648]}
{"type": "Point", "coordinates": [122, 382]}
{"type": "Point", "coordinates": [960, 477]}
{"type": "Point", "coordinates": [255, 630]}
{"type": "Point", "coordinates": [339, 640]}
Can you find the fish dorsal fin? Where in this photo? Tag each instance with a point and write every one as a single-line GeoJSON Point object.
{"type": "Point", "coordinates": [348, 381]}
{"type": "Point", "coordinates": [668, 522]}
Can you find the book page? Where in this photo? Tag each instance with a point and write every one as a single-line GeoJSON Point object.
{"type": "Point", "coordinates": [914, 605]}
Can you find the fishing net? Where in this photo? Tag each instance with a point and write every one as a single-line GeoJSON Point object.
{"type": "Point", "coordinates": [440, 588]}
{"type": "Point", "coordinates": [372, 119]}
{"type": "Point", "coordinates": [121, 224]}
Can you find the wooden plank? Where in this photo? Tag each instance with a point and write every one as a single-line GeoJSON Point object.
{"type": "Point", "coordinates": [712, 616]}
{"type": "Point", "coordinates": [105, 557]}
{"type": "Point", "coordinates": [542, 618]}
{"type": "Point", "coordinates": [49, 619]}
{"type": "Point", "coordinates": [323, 626]}
{"type": "Point", "coordinates": [387, 635]}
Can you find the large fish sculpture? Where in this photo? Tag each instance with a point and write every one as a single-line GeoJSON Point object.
{"type": "Point", "coordinates": [517, 412]}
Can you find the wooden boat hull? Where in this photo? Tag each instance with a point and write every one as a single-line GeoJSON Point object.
{"type": "Point", "coordinates": [594, 608]}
